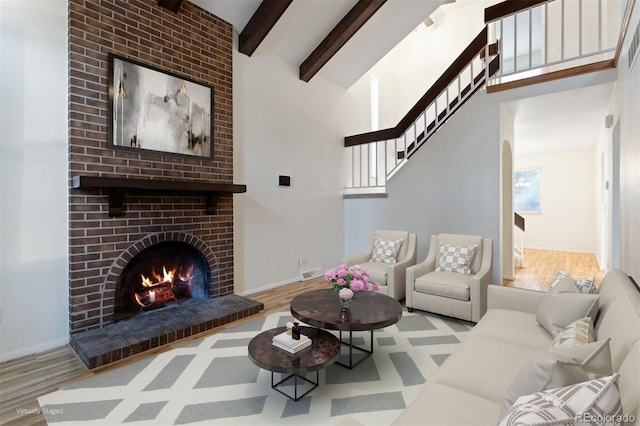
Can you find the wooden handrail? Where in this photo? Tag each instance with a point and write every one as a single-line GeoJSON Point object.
{"type": "Point", "coordinates": [438, 87]}
{"type": "Point", "coordinates": [518, 221]}
{"type": "Point", "coordinates": [508, 7]}
{"type": "Point", "coordinates": [623, 32]}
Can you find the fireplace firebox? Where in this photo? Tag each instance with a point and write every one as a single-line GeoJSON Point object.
{"type": "Point", "coordinates": [165, 275]}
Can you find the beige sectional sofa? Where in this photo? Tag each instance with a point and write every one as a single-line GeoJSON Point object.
{"type": "Point", "coordinates": [469, 388]}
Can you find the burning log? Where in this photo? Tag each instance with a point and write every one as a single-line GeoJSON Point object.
{"type": "Point", "coordinates": [166, 289]}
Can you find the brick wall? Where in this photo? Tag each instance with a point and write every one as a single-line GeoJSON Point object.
{"type": "Point", "coordinates": [192, 43]}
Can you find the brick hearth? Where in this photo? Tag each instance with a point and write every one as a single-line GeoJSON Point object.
{"type": "Point", "coordinates": [153, 329]}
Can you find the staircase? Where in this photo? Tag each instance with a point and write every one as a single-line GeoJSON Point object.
{"type": "Point", "coordinates": [377, 156]}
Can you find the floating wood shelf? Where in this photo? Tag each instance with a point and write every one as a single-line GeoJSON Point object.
{"type": "Point", "coordinates": [118, 188]}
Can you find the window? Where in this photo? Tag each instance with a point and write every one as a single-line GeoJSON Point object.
{"type": "Point", "coordinates": [526, 191]}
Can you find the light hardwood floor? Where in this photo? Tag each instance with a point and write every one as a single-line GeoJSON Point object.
{"type": "Point", "coordinates": [540, 266]}
{"type": "Point", "coordinates": [23, 380]}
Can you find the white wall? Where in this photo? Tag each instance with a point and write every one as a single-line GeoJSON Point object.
{"type": "Point", "coordinates": [284, 126]}
{"type": "Point", "coordinates": [568, 202]}
{"type": "Point", "coordinates": [625, 107]}
{"type": "Point", "coordinates": [412, 67]}
{"type": "Point", "coordinates": [33, 177]}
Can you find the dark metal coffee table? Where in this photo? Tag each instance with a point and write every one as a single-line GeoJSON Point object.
{"type": "Point", "coordinates": [324, 350]}
{"type": "Point", "coordinates": [369, 311]}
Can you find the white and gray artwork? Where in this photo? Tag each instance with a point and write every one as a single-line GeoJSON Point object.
{"type": "Point", "coordinates": [155, 111]}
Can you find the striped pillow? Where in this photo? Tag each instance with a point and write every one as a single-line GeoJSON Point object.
{"type": "Point", "coordinates": [579, 332]}
{"type": "Point", "coordinates": [580, 403]}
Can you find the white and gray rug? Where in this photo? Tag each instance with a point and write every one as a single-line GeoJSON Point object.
{"type": "Point", "coordinates": [211, 381]}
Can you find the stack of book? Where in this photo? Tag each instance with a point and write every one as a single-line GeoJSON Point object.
{"type": "Point", "coordinates": [286, 342]}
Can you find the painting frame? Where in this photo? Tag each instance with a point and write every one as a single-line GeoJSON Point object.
{"type": "Point", "coordinates": [159, 112]}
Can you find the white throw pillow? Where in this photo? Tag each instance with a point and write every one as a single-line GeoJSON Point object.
{"type": "Point", "coordinates": [385, 251]}
{"type": "Point", "coordinates": [579, 332]}
{"type": "Point", "coordinates": [545, 370]}
{"type": "Point", "coordinates": [576, 404]}
{"type": "Point", "coordinates": [455, 259]}
{"type": "Point", "coordinates": [558, 368]}
{"type": "Point", "coordinates": [558, 310]}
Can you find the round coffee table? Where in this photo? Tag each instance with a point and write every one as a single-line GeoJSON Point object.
{"type": "Point", "coordinates": [324, 351]}
{"type": "Point", "coordinates": [369, 311]}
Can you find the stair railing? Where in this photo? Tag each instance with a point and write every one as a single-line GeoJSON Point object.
{"type": "Point", "coordinates": [553, 35]}
{"type": "Point", "coordinates": [376, 156]}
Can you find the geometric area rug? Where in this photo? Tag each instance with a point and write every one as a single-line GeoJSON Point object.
{"type": "Point", "coordinates": [211, 381]}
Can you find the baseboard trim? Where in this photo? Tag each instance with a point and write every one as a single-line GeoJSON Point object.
{"type": "Point", "coordinates": [33, 349]}
{"type": "Point", "coordinates": [269, 287]}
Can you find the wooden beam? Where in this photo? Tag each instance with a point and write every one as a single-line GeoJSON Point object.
{"type": "Point", "coordinates": [262, 21]}
{"type": "Point", "coordinates": [623, 31]}
{"type": "Point", "coordinates": [338, 37]}
{"type": "Point", "coordinates": [172, 5]}
{"type": "Point", "coordinates": [556, 75]}
{"type": "Point", "coordinates": [508, 7]}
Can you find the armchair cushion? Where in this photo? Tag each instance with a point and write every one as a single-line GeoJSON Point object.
{"type": "Point", "coordinates": [377, 271]}
{"type": "Point", "coordinates": [455, 258]}
{"type": "Point", "coordinates": [445, 284]}
{"type": "Point", "coordinates": [385, 251]}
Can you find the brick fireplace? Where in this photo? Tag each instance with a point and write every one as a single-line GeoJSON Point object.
{"type": "Point", "coordinates": [192, 43]}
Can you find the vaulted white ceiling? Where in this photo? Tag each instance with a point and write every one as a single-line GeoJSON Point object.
{"type": "Point", "coordinates": [571, 120]}
{"type": "Point", "coordinates": [565, 121]}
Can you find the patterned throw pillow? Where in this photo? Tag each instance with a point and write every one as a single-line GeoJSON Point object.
{"type": "Point", "coordinates": [385, 251]}
{"type": "Point", "coordinates": [582, 403]}
{"type": "Point", "coordinates": [579, 332]}
{"type": "Point", "coordinates": [456, 259]}
{"type": "Point", "coordinates": [584, 285]}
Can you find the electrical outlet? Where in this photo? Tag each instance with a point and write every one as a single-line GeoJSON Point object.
{"type": "Point", "coordinates": [299, 260]}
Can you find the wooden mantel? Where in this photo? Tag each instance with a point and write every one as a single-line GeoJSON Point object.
{"type": "Point", "coordinates": [118, 188]}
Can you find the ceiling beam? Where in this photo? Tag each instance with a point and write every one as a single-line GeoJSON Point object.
{"type": "Point", "coordinates": [172, 5]}
{"type": "Point", "coordinates": [262, 21]}
{"type": "Point", "coordinates": [338, 37]}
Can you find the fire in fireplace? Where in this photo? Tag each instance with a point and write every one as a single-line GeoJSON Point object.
{"type": "Point", "coordinates": [167, 274]}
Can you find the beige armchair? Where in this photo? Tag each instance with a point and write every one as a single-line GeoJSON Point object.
{"type": "Point", "coordinates": [452, 293]}
{"type": "Point", "coordinates": [390, 276]}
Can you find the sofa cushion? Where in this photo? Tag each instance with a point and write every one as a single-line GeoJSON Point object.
{"type": "Point", "coordinates": [514, 327]}
{"type": "Point", "coordinates": [483, 367]}
{"type": "Point", "coordinates": [385, 251]}
{"type": "Point", "coordinates": [445, 284]}
{"type": "Point", "coordinates": [558, 310]}
{"type": "Point", "coordinates": [579, 332]}
{"type": "Point", "coordinates": [377, 271]}
{"type": "Point", "coordinates": [559, 368]}
{"type": "Point", "coordinates": [628, 383]}
{"type": "Point", "coordinates": [438, 404]}
{"type": "Point", "coordinates": [455, 258]}
{"type": "Point", "coordinates": [598, 398]}
{"type": "Point", "coordinates": [621, 322]}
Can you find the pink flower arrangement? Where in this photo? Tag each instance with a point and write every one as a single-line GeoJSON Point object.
{"type": "Point", "coordinates": [349, 281]}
